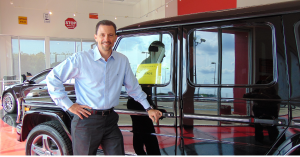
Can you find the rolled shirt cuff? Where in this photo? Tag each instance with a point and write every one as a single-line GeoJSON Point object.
{"type": "Point", "coordinates": [65, 103]}
{"type": "Point", "coordinates": [145, 103]}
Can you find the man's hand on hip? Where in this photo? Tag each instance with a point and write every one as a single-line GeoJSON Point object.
{"type": "Point", "coordinates": [80, 110]}
{"type": "Point", "coordinates": [154, 115]}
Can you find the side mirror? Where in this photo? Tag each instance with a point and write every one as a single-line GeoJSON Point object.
{"type": "Point", "coordinates": [26, 82]}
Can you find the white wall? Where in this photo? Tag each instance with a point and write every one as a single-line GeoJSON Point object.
{"type": "Point", "coordinates": [172, 9]}
{"type": "Point", "coordinates": [0, 20]}
{"type": "Point", "coordinates": [154, 8]}
{"type": "Point", "coordinates": [62, 9]}
{"type": "Point", "coordinates": [245, 3]}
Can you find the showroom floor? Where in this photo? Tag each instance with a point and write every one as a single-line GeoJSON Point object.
{"type": "Point", "coordinates": [8, 141]}
{"type": "Point", "coordinates": [10, 146]}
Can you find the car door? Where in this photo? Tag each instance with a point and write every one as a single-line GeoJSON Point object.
{"type": "Point", "coordinates": [292, 32]}
{"type": "Point", "coordinates": [152, 59]}
{"type": "Point", "coordinates": [36, 90]}
{"type": "Point", "coordinates": [234, 87]}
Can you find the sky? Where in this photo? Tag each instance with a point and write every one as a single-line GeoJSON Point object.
{"type": "Point", "coordinates": [207, 54]}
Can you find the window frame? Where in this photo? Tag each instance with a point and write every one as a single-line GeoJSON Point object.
{"type": "Point", "coordinates": [297, 37]}
{"type": "Point", "coordinates": [146, 33]}
{"type": "Point", "coordinates": [224, 25]}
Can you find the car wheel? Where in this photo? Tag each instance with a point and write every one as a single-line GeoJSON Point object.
{"type": "Point", "coordinates": [48, 138]}
{"type": "Point", "coordinates": [9, 103]}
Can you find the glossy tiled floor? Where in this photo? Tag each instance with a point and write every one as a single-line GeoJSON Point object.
{"type": "Point", "coordinates": [229, 135]}
{"type": "Point", "coordinates": [8, 141]}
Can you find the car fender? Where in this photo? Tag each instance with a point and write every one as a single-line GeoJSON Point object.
{"type": "Point", "coordinates": [14, 89]}
{"type": "Point", "coordinates": [34, 118]}
{"type": "Point", "coordinates": [9, 90]}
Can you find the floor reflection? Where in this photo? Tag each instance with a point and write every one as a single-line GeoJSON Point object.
{"type": "Point", "coordinates": [8, 142]}
{"type": "Point", "coordinates": [232, 144]}
{"type": "Point", "coordinates": [9, 119]}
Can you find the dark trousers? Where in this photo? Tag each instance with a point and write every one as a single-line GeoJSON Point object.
{"type": "Point", "coordinates": [262, 112]}
{"type": "Point", "coordinates": [142, 127]}
{"type": "Point", "coordinates": [149, 141]}
{"type": "Point", "coordinates": [89, 133]}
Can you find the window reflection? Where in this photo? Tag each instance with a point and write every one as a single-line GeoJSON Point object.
{"type": "Point", "coordinates": [228, 57]}
{"type": "Point", "coordinates": [137, 50]}
{"type": "Point", "coordinates": [205, 48]}
{"type": "Point", "coordinates": [229, 64]}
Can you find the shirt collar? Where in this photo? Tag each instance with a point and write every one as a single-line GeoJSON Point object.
{"type": "Point", "coordinates": [98, 56]}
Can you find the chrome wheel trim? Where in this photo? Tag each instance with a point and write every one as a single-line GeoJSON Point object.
{"type": "Point", "coordinates": [44, 145]}
{"type": "Point", "coordinates": [8, 102]}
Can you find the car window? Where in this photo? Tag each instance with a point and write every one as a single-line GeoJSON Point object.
{"type": "Point", "coordinates": [40, 79]}
{"type": "Point", "coordinates": [294, 59]}
{"type": "Point", "coordinates": [297, 34]}
{"type": "Point", "coordinates": [232, 55]}
{"type": "Point", "coordinates": [149, 57]}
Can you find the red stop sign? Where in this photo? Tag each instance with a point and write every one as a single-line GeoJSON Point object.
{"type": "Point", "coordinates": [70, 23]}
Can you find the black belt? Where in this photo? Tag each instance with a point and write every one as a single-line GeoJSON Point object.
{"type": "Point", "coordinates": [101, 112]}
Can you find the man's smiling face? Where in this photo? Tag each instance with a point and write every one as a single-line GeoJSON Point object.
{"type": "Point", "coordinates": [106, 38]}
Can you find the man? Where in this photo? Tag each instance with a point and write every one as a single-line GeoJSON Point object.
{"type": "Point", "coordinates": [99, 75]}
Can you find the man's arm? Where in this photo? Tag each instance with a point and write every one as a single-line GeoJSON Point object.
{"type": "Point", "coordinates": [135, 91]}
{"type": "Point", "coordinates": [55, 79]}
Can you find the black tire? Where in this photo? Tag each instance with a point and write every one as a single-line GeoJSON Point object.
{"type": "Point", "coordinates": [9, 103]}
{"type": "Point", "coordinates": [48, 138]}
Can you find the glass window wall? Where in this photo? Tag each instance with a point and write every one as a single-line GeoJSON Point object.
{"type": "Point", "coordinates": [27, 56]}
{"type": "Point", "coordinates": [32, 54]}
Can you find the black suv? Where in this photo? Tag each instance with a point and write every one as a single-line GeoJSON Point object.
{"type": "Point", "coordinates": [228, 79]}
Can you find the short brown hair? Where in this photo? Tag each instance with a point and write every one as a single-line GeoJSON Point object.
{"type": "Point", "coordinates": [107, 23]}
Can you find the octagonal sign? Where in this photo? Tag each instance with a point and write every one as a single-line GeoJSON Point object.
{"type": "Point", "coordinates": [70, 23]}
